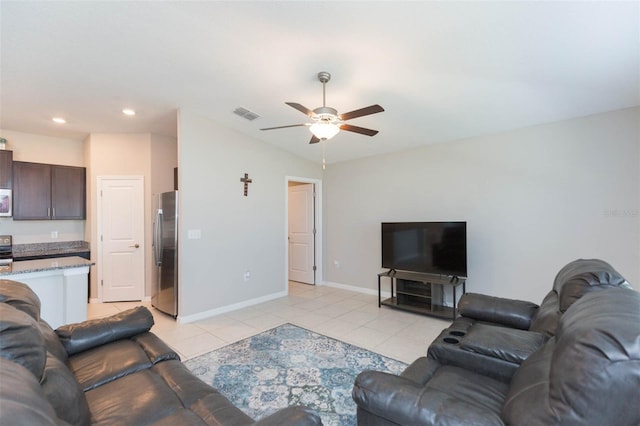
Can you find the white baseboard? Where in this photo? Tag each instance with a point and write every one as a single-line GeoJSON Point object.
{"type": "Point", "coordinates": [96, 300]}
{"type": "Point", "coordinates": [213, 312]}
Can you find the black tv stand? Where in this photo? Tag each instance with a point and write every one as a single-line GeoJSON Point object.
{"type": "Point", "coordinates": [421, 293]}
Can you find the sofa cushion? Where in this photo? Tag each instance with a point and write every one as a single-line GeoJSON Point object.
{"type": "Point", "coordinates": [589, 373]}
{"type": "Point", "coordinates": [23, 401]}
{"type": "Point", "coordinates": [140, 398]}
{"type": "Point", "coordinates": [530, 388]}
{"type": "Point", "coordinates": [106, 363]}
{"type": "Point", "coordinates": [196, 395]}
{"type": "Point", "coordinates": [451, 396]}
{"type": "Point", "coordinates": [64, 393]}
{"type": "Point", "coordinates": [21, 340]}
{"type": "Point", "coordinates": [467, 388]}
{"type": "Point", "coordinates": [21, 297]}
{"type": "Point", "coordinates": [88, 334]}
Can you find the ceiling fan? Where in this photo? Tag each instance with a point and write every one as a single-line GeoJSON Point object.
{"type": "Point", "coordinates": [326, 120]}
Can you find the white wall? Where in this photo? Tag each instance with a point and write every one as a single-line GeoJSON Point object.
{"type": "Point", "coordinates": [238, 233]}
{"type": "Point", "coordinates": [43, 149]}
{"type": "Point", "coordinates": [534, 199]}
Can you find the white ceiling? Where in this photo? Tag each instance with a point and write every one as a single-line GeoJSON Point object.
{"type": "Point", "coordinates": [442, 70]}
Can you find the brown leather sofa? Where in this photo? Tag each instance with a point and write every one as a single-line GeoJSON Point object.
{"type": "Point", "coordinates": [495, 335]}
{"type": "Point", "coordinates": [110, 371]}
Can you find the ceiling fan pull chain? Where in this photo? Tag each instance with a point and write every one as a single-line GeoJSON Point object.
{"type": "Point", "coordinates": [324, 163]}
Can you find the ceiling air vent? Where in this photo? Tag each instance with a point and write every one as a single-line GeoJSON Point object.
{"type": "Point", "coordinates": [245, 113]}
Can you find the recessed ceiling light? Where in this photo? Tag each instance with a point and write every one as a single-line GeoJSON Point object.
{"type": "Point", "coordinates": [59, 120]}
{"type": "Point", "coordinates": [128, 111]}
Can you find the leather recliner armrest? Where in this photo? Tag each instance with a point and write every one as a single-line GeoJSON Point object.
{"type": "Point", "coordinates": [92, 333]}
{"type": "Point", "coordinates": [508, 312]}
{"type": "Point", "coordinates": [294, 415]}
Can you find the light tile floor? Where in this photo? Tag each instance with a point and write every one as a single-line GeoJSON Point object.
{"type": "Point", "coordinates": [345, 315]}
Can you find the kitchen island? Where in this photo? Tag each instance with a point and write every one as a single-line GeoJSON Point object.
{"type": "Point", "coordinates": [60, 283]}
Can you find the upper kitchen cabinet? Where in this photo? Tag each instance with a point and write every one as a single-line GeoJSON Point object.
{"type": "Point", "coordinates": [47, 191]}
{"type": "Point", "coordinates": [6, 173]}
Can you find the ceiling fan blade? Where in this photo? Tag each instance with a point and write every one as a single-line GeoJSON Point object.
{"type": "Point", "coordinates": [301, 108]}
{"type": "Point", "coordinates": [284, 127]}
{"type": "Point", "coordinates": [314, 139]}
{"type": "Point", "coordinates": [371, 109]}
{"type": "Point", "coordinates": [356, 129]}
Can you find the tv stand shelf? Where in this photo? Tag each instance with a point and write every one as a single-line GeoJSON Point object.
{"type": "Point", "coordinates": [420, 293]}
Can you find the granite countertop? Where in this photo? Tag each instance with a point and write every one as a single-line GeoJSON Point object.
{"type": "Point", "coordinates": [45, 249]}
{"type": "Point", "coordinates": [44, 265]}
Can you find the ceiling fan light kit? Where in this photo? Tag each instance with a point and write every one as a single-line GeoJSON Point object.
{"type": "Point", "coordinates": [324, 130]}
{"type": "Point", "coordinates": [326, 121]}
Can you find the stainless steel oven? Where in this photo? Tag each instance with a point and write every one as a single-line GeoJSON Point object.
{"type": "Point", "coordinates": [6, 250]}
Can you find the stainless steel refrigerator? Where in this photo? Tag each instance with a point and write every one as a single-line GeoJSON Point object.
{"type": "Point", "coordinates": [165, 253]}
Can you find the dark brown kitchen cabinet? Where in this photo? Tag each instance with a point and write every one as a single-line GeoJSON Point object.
{"type": "Point", "coordinates": [47, 191]}
{"type": "Point", "coordinates": [6, 167]}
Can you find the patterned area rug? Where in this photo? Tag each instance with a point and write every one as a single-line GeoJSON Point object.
{"type": "Point", "coordinates": [289, 365]}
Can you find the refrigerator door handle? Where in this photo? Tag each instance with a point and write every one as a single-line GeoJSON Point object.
{"type": "Point", "coordinates": [157, 238]}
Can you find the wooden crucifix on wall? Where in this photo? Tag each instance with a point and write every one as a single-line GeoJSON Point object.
{"type": "Point", "coordinates": [246, 182]}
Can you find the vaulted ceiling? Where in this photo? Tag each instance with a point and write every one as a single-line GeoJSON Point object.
{"type": "Point", "coordinates": [443, 70]}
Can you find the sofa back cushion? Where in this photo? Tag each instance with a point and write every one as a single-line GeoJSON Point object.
{"type": "Point", "coordinates": [21, 341]}
{"type": "Point", "coordinates": [64, 394]}
{"type": "Point", "coordinates": [589, 373]}
{"type": "Point", "coordinates": [22, 401]}
{"type": "Point", "coordinates": [21, 297]}
{"type": "Point", "coordinates": [52, 342]}
{"type": "Point", "coordinates": [547, 316]}
{"type": "Point", "coordinates": [583, 276]}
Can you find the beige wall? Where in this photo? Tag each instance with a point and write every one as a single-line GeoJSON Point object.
{"type": "Point", "coordinates": [238, 233]}
{"type": "Point", "coordinates": [144, 155]}
{"type": "Point", "coordinates": [534, 199]}
{"type": "Point", "coordinates": [43, 149]}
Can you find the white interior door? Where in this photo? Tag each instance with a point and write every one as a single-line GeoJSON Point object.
{"type": "Point", "coordinates": [122, 238]}
{"type": "Point", "coordinates": [301, 233]}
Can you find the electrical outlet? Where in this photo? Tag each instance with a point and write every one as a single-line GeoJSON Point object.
{"type": "Point", "coordinates": [247, 276]}
{"type": "Point", "coordinates": [194, 234]}
{"type": "Point", "coordinates": [54, 234]}
{"type": "Point", "coordinates": [336, 264]}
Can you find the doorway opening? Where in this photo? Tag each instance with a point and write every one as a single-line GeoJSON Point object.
{"type": "Point", "coordinates": [303, 239]}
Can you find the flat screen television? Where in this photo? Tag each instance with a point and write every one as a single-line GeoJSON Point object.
{"type": "Point", "coordinates": [427, 247]}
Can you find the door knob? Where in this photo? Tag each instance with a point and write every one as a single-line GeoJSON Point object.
{"type": "Point", "coordinates": [136, 245]}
